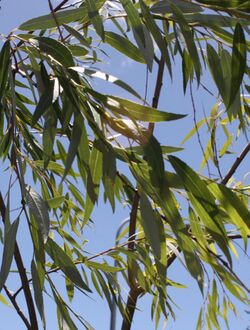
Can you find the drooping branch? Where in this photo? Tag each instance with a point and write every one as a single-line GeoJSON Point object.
{"type": "Point", "coordinates": [23, 276]}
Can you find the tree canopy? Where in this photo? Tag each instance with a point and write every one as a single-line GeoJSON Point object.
{"type": "Point", "coordinates": [66, 144]}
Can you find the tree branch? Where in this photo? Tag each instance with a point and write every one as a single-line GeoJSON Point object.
{"type": "Point", "coordinates": [23, 276]}
{"type": "Point", "coordinates": [236, 164]}
{"type": "Point", "coordinates": [52, 10]}
{"type": "Point", "coordinates": [17, 308]}
{"type": "Point", "coordinates": [157, 91]}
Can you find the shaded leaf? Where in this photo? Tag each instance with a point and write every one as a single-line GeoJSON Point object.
{"type": "Point", "coordinates": [39, 209]}
{"type": "Point", "coordinates": [239, 58]}
{"type": "Point", "coordinates": [4, 66]}
{"type": "Point", "coordinates": [124, 46]}
{"type": "Point", "coordinates": [8, 251]}
{"type": "Point", "coordinates": [65, 263]}
{"type": "Point", "coordinates": [93, 180]}
{"type": "Point", "coordinates": [94, 17]}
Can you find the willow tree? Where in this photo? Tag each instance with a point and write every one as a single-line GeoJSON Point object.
{"type": "Point", "coordinates": [65, 144]}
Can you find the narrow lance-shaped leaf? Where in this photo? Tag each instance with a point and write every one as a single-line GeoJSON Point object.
{"type": "Point", "coordinates": [4, 66]}
{"type": "Point", "coordinates": [152, 26]}
{"type": "Point", "coordinates": [203, 202]}
{"type": "Point", "coordinates": [95, 17]}
{"type": "Point", "coordinates": [56, 49]}
{"type": "Point", "coordinates": [134, 110]}
{"type": "Point", "coordinates": [134, 19]}
{"type": "Point", "coordinates": [39, 209]}
{"type": "Point", "coordinates": [107, 77]}
{"type": "Point", "coordinates": [153, 228]}
{"type": "Point", "coordinates": [124, 46]}
{"type": "Point", "coordinates": [189, 39]}
{"type": "Point", "coordinates": [8, 251]}
{"type": "Point", "coordinates": [215, 67]}
{"type": "Point", "coordinates": [74, 143]}
{"type": "Point", "coordinates": [153, 153]}
{"type": "Point", "coordinates": [234, 207]}
{"type": "Point", "coordinates": [64, 319]}
{"type": "Point", "coordinates": [239, 58]}
{"type": "Point", "coordinates": [63, 17]}
{"type": "Point", "coordinates": [65, 263]}
{"type": "Point", "coordinates": [93, 180]}
{"type": "Point", "coordinates": [38, 291]}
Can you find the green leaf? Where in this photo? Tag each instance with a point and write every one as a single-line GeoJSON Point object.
{"type": "Point", "coordinates": [8, 251]}
{"type": "Point", "coordinates": [64, 319]}
{"type": "Point", "coordinates": [63, 17]}
{"type": "Point", "coordinates": [164, 7]}
{"type": "Point", "coordinates": [153, 228]}
{"type": "Point", "coordinates": [194, 130]}
{"type": "Point", "coordinates": [103, 267]}
{"type": "Point", "coordinates": [93, 180]}
{"type": "Point", "coordinates": [203, 202]}
{"type": "Point", "coordinates": [216, 70]}
{"type": "Point", "coordinates": [109, 174]}
{"type": "Point", "coordinates": [65, 263]}
{"type": "Point", "coordinates": [153, 154]}
{"type": "Point", "coordinates": [74, 143]}
{"type": "Point", "coordinates": [239, 58]}
{"type": "Point", "coordinates": [4, 65]}
{"type": "Point", "coordinates": [37, 291]}
{"type": "Point", "coordinates": [39, 209]}
{"type": "Point", "coordinates": [124, 46]}
{"type": "Point", "coordinates": [187, 69]}
{"type": "Point", "coordinates": [134, 19]}
{"type": "Point", "coordinates": [134, 110]}
{"type": "Point", "coordinates": [44, 103]}
{"type": "Point", "coordinates": [107, 77]}
{"type": "Point", "coordinates": [94, 17]}
{"type": "Point", "coordinates": [56, 49]}
{"type": "Point", "coordinates": [84, 41]}
{"type": "Point", "coordinates": [49, 134]}
{"type": "Point", "coordinates": [189, 39]}
{"type": "Point", "coordinates": [153, 28]}
{"type": "Point", "coordinates": [234, 207]}
{"type": "Point", "coordinates": [4, 301]}
{"type": "Point", "coordinates": [55, 202]}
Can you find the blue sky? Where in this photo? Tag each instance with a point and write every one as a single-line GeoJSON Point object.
{"type": "Point", "coordinates": [101, 234]}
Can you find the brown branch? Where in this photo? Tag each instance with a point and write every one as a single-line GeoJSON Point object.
{"type": "Point", "coordinates": [58, 7]}
{"type": "Point", "coordinates": [52, 10]}
{"type": "Point", "coordinates": [236, 164]}
{"type": "Point", "coordinates": [157, 91]}
{"type": "Point", "coordinates": [17, 308]}
{"type": "Point", "coordinates": [23, 276]}
{"type": "Point", "coordinates": [130, 307]}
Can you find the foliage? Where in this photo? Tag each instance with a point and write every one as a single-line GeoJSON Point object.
{"type": "Point", "coordinates": [57, 130]}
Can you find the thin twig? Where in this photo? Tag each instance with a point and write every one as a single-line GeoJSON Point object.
{"type": "Point", "coordinates": [197, 130]}
{"type": "Point", "coordinates": [52, 10]}
{"type": "Point", "coordinates": [236, 164]}
{"type": "Point", "coordinates": [17, 308]}
{"type": "Point", "coordinates": [58, 7]}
